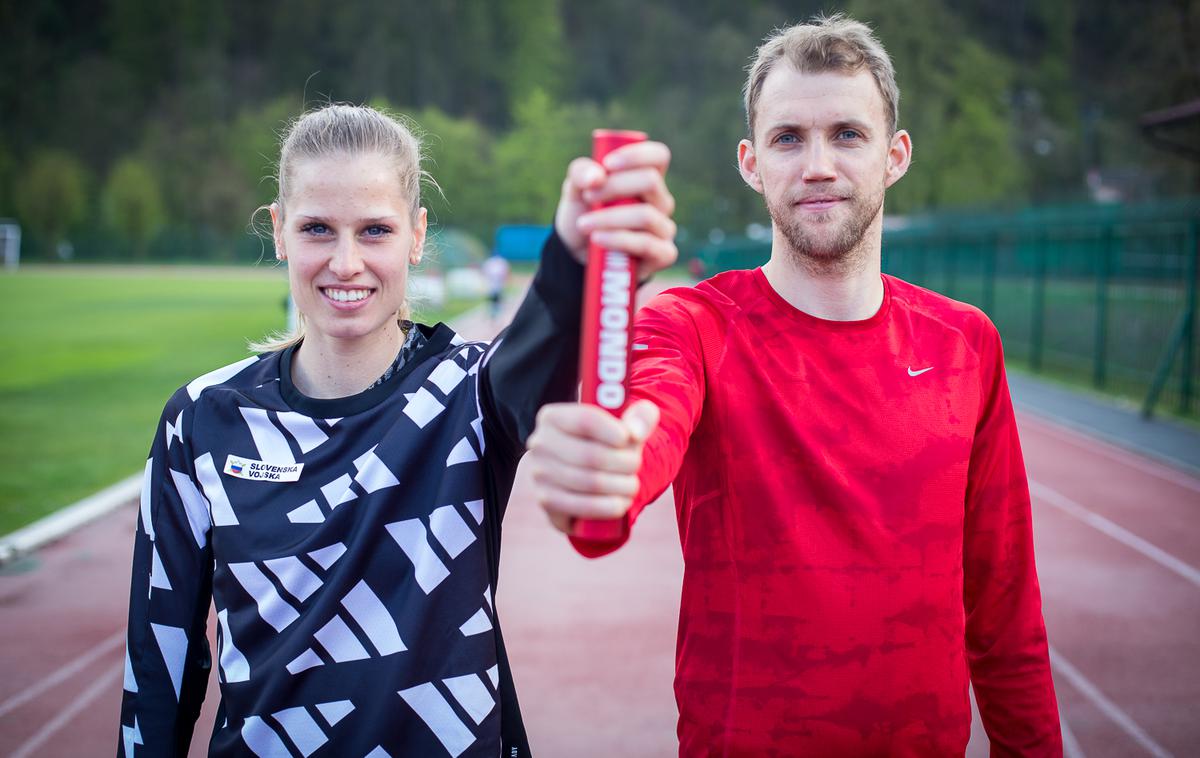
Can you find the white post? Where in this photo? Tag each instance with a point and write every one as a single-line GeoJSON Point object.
{"type": "Point", "coordinates": [11, 235]}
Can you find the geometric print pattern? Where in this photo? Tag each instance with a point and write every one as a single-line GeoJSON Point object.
{"type": "Point", "coordinates": [300, 727]}
{"type": "Point", "coordinates": [451, 534]}
{"type": "Point", "coordinates": [371, 476]}
{"type": "Point", "coordinates": [430, 399]}
{"type": "Point", "coordinates": [337, 640]}
{"type": "Point", "coordinates": [446, 707]}
{"type": "Point", "coordinates": [280, 587]}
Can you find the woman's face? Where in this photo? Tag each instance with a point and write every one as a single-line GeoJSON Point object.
{"type": "Point", "coordinates": [348, 236]}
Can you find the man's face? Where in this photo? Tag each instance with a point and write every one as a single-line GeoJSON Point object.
{"type": "Point", "coordinates": [822, 157]}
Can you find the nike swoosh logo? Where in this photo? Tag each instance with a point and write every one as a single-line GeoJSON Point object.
{"type": "Point", "coordinates": [918, 373]}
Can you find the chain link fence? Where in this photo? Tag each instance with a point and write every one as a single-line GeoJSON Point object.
{"type": "Point", "coordinates": [1103, 295]}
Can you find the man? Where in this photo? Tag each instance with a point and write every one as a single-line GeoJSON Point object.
{"type": "Point", "coordinates": [851, 497]}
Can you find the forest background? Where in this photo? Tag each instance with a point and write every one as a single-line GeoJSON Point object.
{"type": "Point", "coordinates": [135, 130]}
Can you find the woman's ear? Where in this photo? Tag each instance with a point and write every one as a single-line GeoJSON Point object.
{"type": "Point", "coordinates": [277, 231]}
{"type": "Point", "coordinates": [419, 228]}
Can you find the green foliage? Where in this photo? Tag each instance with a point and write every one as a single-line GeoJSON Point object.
{"type": "Point", "coordinates": [1007, 102]}
{"type": "Point", "coordinates": [532, 157]}
{"type": "Point", "coordinates": [954, 104]}
{"type": "Point", "coordinates": [8, 173]}
{"type": "Point", "coordinates": [460, 159]}
{"type": "Point", "coordinates": [53, 195]}
{"type": "Point", "coordinates": [253, 145]}
{"type": "Point", "coordinates": [132, 202]}
{"type": "Point", "coordinates": [535, 51]}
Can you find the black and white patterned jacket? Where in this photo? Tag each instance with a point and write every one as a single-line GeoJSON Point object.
{"type": "Point", "coordinates": [349, 546]}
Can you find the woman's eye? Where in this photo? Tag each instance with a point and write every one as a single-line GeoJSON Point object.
{"type": "Point", "coordinates": [377, 231]}
{"type": "Point", "coordinates": [314, 228]}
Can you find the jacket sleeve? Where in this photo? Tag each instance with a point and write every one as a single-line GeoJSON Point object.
{"type": "Point", "coordinates": [671, 336]}
{"type": "Point", "coordinates": [535, 360]}
{"type": "Point", "coordinates": [167, 657]}
{"type": "Point", "coordinates": [1006, 637]}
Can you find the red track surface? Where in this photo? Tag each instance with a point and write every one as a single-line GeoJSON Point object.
{"type": "Point", "coordinates": [592, 642]}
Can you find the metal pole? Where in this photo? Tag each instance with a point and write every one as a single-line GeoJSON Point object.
{"type": "Point", "coordinates": [991, 251]}
{"type": "Point", "coordinates": [1038, 322]}
{"type": "Point", "coordinates": [949, 248]}
{"type": "Point", "coordinates": [1100, 353]}
{"type": "Point", "coordinates": [1189, 329]}
{"type": "Point", "coordinates": [919, 251]}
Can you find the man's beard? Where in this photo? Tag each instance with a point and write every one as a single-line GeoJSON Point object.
{"type": "Point", "coordinates": [819, 244]}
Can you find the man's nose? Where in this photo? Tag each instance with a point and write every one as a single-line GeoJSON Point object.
{"type": "Point", "coordinates": [818, 163]}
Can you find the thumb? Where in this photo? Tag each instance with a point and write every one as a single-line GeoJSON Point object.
{"type": "Point", "coordinates": [640, 419]}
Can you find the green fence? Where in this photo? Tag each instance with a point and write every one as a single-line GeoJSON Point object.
{"type": "Point", "coordinates": [1098, 294]}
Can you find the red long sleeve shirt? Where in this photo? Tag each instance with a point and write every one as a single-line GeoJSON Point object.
{"type": "Point", "coordinates": [855, 523]}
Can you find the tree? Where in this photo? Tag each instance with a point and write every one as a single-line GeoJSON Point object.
{"type": "Point", "coordinates": [531, 157]}
{"type": "Point", "coordinates": [132, 203]}
{"type": "Point", "coordinates": [954, 103]}
{"type": "Point", "coordinates": [533, 57]}
{"type": "Point", "coordinates": [460, 159]}
{"type": "Point", "coordinates": [52, 196]}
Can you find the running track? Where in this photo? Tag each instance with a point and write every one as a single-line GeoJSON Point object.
{"type": "Point", "coordinates": [592, 642]}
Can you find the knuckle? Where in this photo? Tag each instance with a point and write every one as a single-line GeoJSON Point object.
{"type": "Point", "coordinates": [617, 506]}
{"type": "Point", "coordinates": [598, 481]}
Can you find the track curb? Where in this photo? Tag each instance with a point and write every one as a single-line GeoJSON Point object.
{"type": "Point", "coordinates": [62, 522]}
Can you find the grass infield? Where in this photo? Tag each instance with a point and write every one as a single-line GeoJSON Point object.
{"type": "Point", "coordinates": [88, 358]}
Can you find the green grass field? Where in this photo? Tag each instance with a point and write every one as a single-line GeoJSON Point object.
{"type": "Point", "coordinates": [89, 357]}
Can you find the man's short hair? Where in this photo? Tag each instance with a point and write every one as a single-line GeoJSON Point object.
{"type": "Point", "coordinates": [825, 43]}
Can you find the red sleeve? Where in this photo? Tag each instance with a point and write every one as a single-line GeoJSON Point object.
{"type": "Point", "coordinates": [1006, 636]}
{"type": "Point", "coordinates": [667, 368]}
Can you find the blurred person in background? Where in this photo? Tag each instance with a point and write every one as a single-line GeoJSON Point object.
{"type": "Point", "coordinates": [851, 496]}
{"type": "Point", "coordinates": [338, 497]}
{"type": "Point", "coordinates": [495, 274]}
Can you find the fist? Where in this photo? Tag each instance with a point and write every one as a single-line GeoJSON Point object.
{"type": "Point", "coordinates": [643, 229]}
{"type": "Point", "coordinates": [584, 461]}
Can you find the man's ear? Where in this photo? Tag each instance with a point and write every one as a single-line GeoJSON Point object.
{"type": "Point", "coordinates": [899, 157]}
{"type": "Point", "coordinates": [748, 165]}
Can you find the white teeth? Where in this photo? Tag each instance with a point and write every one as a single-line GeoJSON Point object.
{"type": "Point", "coordinates": [346, 296]}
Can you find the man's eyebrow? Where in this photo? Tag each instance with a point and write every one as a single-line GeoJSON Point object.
{"type": "Point", "coordinates": [853, 123]}
{"type": "Point", "coordinates": [785, 127]}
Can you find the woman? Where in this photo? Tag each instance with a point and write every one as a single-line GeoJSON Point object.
{"type": "Point", "coordinates": [339, 497]}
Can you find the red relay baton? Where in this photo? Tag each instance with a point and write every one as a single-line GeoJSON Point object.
{"type": "Point", "coordinates": [609, 290]}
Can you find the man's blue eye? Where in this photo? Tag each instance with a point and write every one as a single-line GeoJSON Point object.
{"type": "Point", "coordinates": [848, 134]}
{"type": "Point", "coordinates": [788, 139]}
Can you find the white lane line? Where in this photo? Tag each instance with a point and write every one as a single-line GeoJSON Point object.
{"type": "Point", "coordinates": [1106, 706]}
{"type": "Point", "coordinates": [64, 672]}
{"type": "Point", "coordinates": [1120, 534]}
{"type": "Point", "coordinates": [1113, 452]}
{"type": "Point", "coordinates": [102, 684]}
{"type": "Point", "coordinates": [1071, 748]}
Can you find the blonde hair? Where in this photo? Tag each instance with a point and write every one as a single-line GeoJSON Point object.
{"type": "Point", "coordinates": [341, 129]}
{"type": "Point", "coordinates": [825, 43]}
